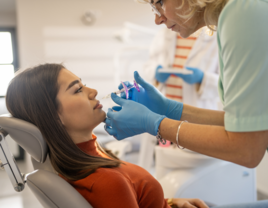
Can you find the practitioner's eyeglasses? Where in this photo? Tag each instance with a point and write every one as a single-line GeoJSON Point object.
{"type": "Point", "coordinates": [155, 10]}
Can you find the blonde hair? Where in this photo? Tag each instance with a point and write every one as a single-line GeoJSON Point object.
{"type": "Point", "coordinates": [212, 10]}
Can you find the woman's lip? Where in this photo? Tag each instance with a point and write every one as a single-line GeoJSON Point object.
{"type": "Point", "coordinates": [98, 102]}
{"type": "Point", "coordinates": [99, 106]}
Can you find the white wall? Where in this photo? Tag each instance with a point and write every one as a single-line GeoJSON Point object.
{"type": "Point", "coordinates": [34, 16]}
{"type": "Point", "coordinates": [52, 31]}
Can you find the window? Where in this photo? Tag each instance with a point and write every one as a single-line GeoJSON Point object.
{"type": "Point", "coordinates": [8, 58]}
{"type": "Point", "coordinates": [8, 65]}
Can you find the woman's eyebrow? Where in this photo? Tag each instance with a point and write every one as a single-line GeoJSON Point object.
{"type": "Point", "coordinates": [73, 83]}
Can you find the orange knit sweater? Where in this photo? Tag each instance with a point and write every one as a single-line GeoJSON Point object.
{"type": "Point", "coordinates": [125, 186]}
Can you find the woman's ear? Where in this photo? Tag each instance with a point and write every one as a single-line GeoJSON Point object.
{"type": "Point", "coordinates": [60, 119]}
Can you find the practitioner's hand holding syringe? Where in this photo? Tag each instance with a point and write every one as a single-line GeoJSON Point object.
{"type": "Point", "coordinates": [124, 90]}
{"type": "Point", "coordinates": [143, 115]}
{"type": "Point", "coordinates": [153, 99]}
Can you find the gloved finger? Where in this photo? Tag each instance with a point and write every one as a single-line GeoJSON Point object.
{"type": "Point", "coordinates": [108, 122]}
{"type": "Point", "coordinates": [118, 100]}
{"type": "Point", "coordinates": [161, 73]}
{"type": "Point", "coordinates": [190, 68]}
{"type": "Point", "coordinates": [123, 95]}
{"type": "Point", "coordinates": [159, 67]}
{"type": "Point", "coordinates": [126, 83]}
{"type": "Point", "coordinates": [109, 130]}
{"type": "Point", "coordinates": [109, 114]}
{"type": "Point", "coordinates": [117, 108]}
{"type": "Point", "coordinates": [157, 73]}
{"type": "Point", "coordinates": [141, 81]}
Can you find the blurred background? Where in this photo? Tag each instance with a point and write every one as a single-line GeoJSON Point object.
{"type": "Point", "coordinates": [101, 41]}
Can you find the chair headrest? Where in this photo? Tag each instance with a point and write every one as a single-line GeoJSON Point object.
{"type": "Point", "coordinates": [26, 135]}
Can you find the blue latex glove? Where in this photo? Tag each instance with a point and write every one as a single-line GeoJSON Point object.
{"type": "Point", "coordinates": [130, 119]}
{"type": "Point", "coordinates": [153, 99]}
{"type": "Point", "coordinates": [161, 77]}
{"type": "Point", "coordinates": [194, 78]}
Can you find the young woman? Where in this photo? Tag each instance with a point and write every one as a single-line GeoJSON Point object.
{"type": "Point", "coordinates": [66, 112]}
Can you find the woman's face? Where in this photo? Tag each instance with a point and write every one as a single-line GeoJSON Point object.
{"type": "Point", "coordinates": [169, 17]}
{"type": "Point", "coordinates": [79, 110]}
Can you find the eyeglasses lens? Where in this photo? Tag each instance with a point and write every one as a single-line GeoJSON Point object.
{"type": "Point", "coordinates": [155, 10]}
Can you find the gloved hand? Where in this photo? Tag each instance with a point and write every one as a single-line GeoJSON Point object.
{"type": "Point", "coordinates": [130, 118]}
{"type": "Point", "coordinates": [161, 77]}
{"type": "Point", "coordinates": [153, 99]}
{"type": "Point", "coordinates": [195, 77]}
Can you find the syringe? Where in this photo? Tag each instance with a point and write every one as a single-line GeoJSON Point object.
{"type": "Point", "coordinates": [124, 89]}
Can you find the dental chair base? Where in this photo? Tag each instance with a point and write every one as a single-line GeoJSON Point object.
{"type": "Point", "coordinates": [212, 180]}
{"type": "Point", "coordinates": [7, 162]}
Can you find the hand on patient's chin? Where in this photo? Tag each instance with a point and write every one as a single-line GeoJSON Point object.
{"type": "Point", "coordinates": [115, 109]}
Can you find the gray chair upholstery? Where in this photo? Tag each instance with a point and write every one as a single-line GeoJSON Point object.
{"type": "Point", "coordinates": [26, 135]}
{"type": "Point", "coordinates": [51, 190]}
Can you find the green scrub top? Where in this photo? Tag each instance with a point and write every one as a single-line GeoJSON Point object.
{"type": "Point", "coordinates": [243, 55]}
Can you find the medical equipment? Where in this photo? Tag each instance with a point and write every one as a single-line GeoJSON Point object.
{"type": "Point", "coordinates": [175, 71]}
{"type": "Point", "coordinates": [9, 165]}
{"type": "Point", "coordinates": [124, 89]}
{"type": "Point", "coordinates": [189, 75]}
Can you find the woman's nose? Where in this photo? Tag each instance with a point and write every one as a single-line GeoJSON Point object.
{"type": "Point", "coordinates": [160, 20]}
{"type": "Point", "coordinates": [92, 93]}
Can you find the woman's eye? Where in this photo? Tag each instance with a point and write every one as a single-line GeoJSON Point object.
{"type": "Point", "coordinates": [160, 2]}
{"type": "Point", "coordinates": [80, 89]}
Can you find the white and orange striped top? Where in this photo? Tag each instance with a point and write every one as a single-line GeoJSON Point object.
{"type": "Point", "coordinates": [174, 84]}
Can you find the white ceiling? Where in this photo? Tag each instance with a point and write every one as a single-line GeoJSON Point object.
{"type": "Point", "coordinates": [7, 5]}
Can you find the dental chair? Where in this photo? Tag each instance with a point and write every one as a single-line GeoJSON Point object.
{"type": "Point", "coordinates": [51, 190]}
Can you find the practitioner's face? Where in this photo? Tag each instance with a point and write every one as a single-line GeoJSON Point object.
{"type": "Point", "coordinates": [79, 110]}
{"type": "Point", "coordinates": [168, 10]}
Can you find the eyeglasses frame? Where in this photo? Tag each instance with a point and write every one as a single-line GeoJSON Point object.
{"type": "Point", "coordinates": [155, 10]}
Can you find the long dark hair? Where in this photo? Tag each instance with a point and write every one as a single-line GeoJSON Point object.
{"type": "Point", "coordinates": [32, 96]}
